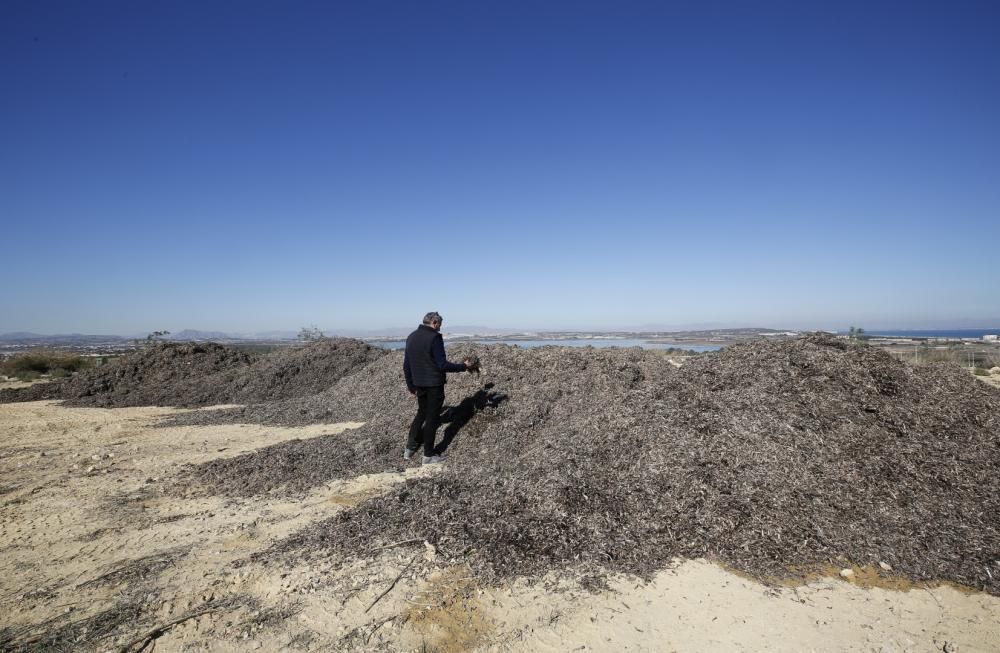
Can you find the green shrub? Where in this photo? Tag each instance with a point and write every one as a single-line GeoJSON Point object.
{"type": "Point", "coordinates": [980, 371]}
{"type": "Point", "coordinates": [44, 361]}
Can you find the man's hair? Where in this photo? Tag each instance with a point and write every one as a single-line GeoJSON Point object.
{"type": "Point", "coordinates": [433, 316]}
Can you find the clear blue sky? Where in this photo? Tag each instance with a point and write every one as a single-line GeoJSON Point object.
{"type": "Point", "coordinates": [245, 165]}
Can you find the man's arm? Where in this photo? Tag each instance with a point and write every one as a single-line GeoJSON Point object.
{"type": "Point", "coordinates": [408, 374]}
{"type": "Point", "coordinates": [437, 352]}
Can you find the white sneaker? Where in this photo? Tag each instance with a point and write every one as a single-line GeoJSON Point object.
{"type": "Point", "coordinates": [433, 460]}
{"type": "Point", "coordinates": [408, 453]}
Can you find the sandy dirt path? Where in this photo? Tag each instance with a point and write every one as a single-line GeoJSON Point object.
{"type": "Point", "coordinates": [94, 555]}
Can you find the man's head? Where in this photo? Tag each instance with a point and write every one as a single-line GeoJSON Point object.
{"type": "Point", "coordinates": [433, 320]}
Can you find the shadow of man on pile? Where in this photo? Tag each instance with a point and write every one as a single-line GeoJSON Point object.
{"type": "Point", "coordinates": [458, 416]}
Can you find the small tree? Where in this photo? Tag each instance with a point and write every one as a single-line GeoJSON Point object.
{"type": "Point", "coordinates": [856, 334]}
{"type": "Point", "coordinates": [310, 334]}
{"type": "Point", "coordinates": [152, 338]}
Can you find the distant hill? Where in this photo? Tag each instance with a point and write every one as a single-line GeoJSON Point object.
{"type": "Point", "coordinates": [20, 335]}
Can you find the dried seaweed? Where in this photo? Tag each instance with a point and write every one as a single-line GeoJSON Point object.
{"type": "Point", "coordinates": [204, 374]}
{"type": "Point", "coordinates": [63, 634]}
{"type": "Point", "coordinates": [766, 456]}
{"type": "Point", "coordinates": [517, 389]}
{"type": "Point", "coordinates": [164, 374]}
{"type": "Point", "coordinates": [139, 569]}
{"type": "Point", "coordinates": [128, 613]}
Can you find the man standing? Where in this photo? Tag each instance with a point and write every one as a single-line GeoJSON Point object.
{"type": "Point", "coordinates": [425, 368]}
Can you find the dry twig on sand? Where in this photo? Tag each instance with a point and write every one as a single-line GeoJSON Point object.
{"type": "Point", "coordinates": [139, 644]}
{"type": "Point", "coordinates": [392, 584]}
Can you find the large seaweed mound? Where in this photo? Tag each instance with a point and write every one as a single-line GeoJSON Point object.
{"type": "Point", "coordinates": [519, 389]}
{"type": "Point", "coordinates": [303, 371]}
{"type": "Point", "coordinates": [204, 374]}
{"type": "Point", "coordinates": [766, 456]}
{"type": "Point", "coordinates": [162, 374]}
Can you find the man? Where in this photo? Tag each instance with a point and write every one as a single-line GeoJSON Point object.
{"type": "Point", "coordinates": [425, 368]}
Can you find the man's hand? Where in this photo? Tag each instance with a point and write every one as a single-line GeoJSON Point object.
{"type": "Point", "coordinates": [472, 363]}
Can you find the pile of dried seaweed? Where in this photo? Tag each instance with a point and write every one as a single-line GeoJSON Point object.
{"type": "Point", "coordinates": [163, 374]}
{"type": "Point", "coordinates": [303, 371]}
{"type": "Point", "coordinates": [196, 374]}
{"type": "Point", "coordinates": [519, 390]}
{"type": "Point", "coordinates": [372, 390]}
{"type": "Point", "coordinates": [764, 457]}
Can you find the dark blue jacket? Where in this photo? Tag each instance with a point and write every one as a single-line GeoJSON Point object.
{"type": "Point", "coordinates": [424, 362]}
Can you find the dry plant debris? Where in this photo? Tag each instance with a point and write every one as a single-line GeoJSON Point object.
{"type": "Point", "coordinates": [766, 456]}
{"type": "Point", "coordinates": [62, 633]}
{"type": "Point", "coordinates": [104, 630]}
{"type": "Point", "coordinates": [197, 374]}
{"type": "Point", "coordinates": [138, 570]}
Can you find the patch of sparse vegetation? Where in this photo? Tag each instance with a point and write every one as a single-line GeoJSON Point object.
{"type": "Point", "coordinates": [958, 354]}
{"type": "Point", "coordinates": [927, 354]}
{"type": "Point", "coordinates": [30, 365]}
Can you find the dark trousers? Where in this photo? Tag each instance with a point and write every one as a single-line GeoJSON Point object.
{"type": "Point", "coordinates": [424, 427]}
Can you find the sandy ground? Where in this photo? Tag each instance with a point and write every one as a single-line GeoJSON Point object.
{"type": "Point", "coordinates": [88, 540]}
{"type": "Point", "coordinates": [10, 382]}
